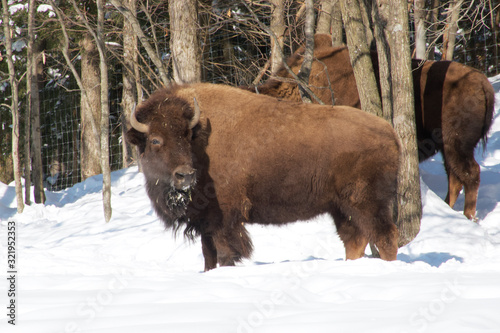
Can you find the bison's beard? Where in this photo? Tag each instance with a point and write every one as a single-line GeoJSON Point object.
{"type": "Point", "coordinates": [169, 203]}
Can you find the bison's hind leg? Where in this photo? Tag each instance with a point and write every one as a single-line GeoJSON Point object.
{"type": "Point", "coordinates": [386, 239]}
{"type": "Point", "coordinates": [463, 171]}
{"type": "Point", "coordinates": [454, 188]}
{"type": "Point", "coordinates": [357, 229]}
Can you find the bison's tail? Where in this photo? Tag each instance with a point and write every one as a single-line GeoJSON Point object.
{"type": "Point", "coordinates": [489, 96]}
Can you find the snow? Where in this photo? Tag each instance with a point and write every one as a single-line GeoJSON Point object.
{"type": "Point", "coordinates": [46, 8]}
{"type": "Point", "coordinates": [76, 273]}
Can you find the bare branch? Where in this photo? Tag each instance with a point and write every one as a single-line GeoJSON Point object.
{"type": "Point", "coordinates": [144, 40]}
{"type": "Point", "coordinates": [295, 77]}
{"type": "Point", "coordinates": [65, 52]}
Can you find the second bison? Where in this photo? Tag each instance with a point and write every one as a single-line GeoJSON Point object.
{"type": "Point", "coordinates": [454, 107]}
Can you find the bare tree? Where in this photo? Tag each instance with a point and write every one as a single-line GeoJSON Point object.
{"type": "Point", "coordinates": [153, 55]}
{"type": "Point", "coordinates": [305, 69]}
{"type": "Point", "coordinates": [420, 37]}
{"type": "Point", "coordinates": [337, 24]}
{"type": "Point", "coordinates": [385, 78]}
{"type": "Point", "coordinates": [130, 77]}
{"type": "Point", "coordinates": [14, 107]}
{"type": "Point", "coordinates": [432, 27]}
{"type": "Point", "coordinates": [100, 84]}
{"type": "Point", "coordinates": [98, 37]}
{"type": "Point", "coordinates": [301, 83]}
{"type": "Point", "coordinates": [90, 109]}
{"type": "Point", "coordinates": [359, 52]}
{"type": "Point", "coordinates": [449, 36]}
{"type": "Point", "coordinates": [365, 10]}
{"type": "Point", "coordinates": [278, 28]}
{"type": "Point", "coordinates": [393, 43]}
{"type": "Point", "coordinates": [184, 41]}
{"type": "Point", "coordinates": [325, 16]}
{"type": "Point", "coordinates": [69, 63]}
{"type": "Point", "coordinates": [36, 138]}
{"type": "Point", "coordinates": [27, 119]}
{"type": "Point", "coordinates": [34, 72]}
{"type": "Point", "coordinates": [494, 22]}
{"type": "Point", "coordinates": [103, 66]}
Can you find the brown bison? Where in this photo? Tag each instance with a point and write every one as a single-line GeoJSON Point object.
{"type": "Point", "coordinates": [453, 107]}
{"type": "Point", "coordinates": [216, 157]}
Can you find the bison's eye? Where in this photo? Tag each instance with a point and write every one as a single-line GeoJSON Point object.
{"type": "Point", "coordinates": [156, 141]}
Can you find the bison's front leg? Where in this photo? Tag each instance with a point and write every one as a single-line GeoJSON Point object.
{"type": "Point", "coordinates": [209, 252]}
{"type": "Point", "coordinates": [233, 244]}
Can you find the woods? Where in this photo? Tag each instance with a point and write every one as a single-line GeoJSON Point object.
{"type": "Point", "coordinates": [82, 66]}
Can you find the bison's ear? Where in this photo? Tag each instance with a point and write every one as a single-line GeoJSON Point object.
{"type": "Point", "coordinates": [136, 138]}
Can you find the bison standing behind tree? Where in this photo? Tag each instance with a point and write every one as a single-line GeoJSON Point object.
{"type": "Point", "coordinates": [216, 157]}
{"type": "Point", "coordinates": [454, 107]}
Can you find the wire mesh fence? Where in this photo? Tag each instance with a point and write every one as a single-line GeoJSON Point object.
{"type": "Point", "coordinates": [234, 51]}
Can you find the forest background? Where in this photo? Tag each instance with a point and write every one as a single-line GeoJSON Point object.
{"type": "Point", "coordinates": [72, 71]}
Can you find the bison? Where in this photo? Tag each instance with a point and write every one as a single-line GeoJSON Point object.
{"type": "Point", "coordinates": [216, 157]}
{"type": "Point", "coordinates": [454, 107]}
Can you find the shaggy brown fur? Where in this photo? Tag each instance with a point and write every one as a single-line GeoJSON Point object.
{"type": "Point", "coordinates": [453, 108]}
{"type": "Point", "coordinates": [262, 160]}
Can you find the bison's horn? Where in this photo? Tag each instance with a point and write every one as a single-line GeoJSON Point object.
{"type": "Point", "coordinates": [196, 118]}
{"type": "Point", "coordinates": [143, 128]}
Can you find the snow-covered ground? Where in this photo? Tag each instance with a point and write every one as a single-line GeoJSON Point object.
{"type": "Point", "coordinates": [76, 273]}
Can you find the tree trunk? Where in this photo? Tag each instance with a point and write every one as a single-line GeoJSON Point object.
{"type": "Point", "coordinates": [305, 68]}
{"type": "Point", "coordinates": [103, 66]}
{"type": "Point", "coordinates": [129, 95]}
{"type": "Point", "coordinates": [35, 69]}
{"type": "Point", "coordinates": [494, 28]}
{"type": "Point", "coordinates": [36, 138]}
{"type": "Point", "coordinates": [337, 24]}
{"type": "Point", "coordinates": [278, 27]}
{"type": "Point", "coordinates": [91, 125]}
{"type": "Point", "coordinates": [359, 53]}
{"type": "Point", "coordinates": [184, 41]}
{"type": "Point", "coordinates": [325, 17]}
{"type": "Point", "coordinates": [450, 34]}
{"type": "Point", "coordinates": [14, 106]}
{"type": "Point", "coordinates": [101, 86]}
{"type": "Point", "coordinates": [365, 10]}
{"type": "Point", "coordinates": [433, 22]}
{"type": "Point", "coordinates": [75, 139]}
{"type": "Point", "coordinates": [29, 90]}
{"type": "Point", "coordinates": [395, 13]}
{"type": "Point", "coordinates": [27, 150]}
{"type": "Point", "coordinates": [90, 153]}
{"type": "Point", "coordinates": [384, 56]}
{"type": "Point", "coordinates": [420, 38]}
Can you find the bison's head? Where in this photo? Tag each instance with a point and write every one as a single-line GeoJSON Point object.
{"type": "Point", "coordinates": [162, 129]}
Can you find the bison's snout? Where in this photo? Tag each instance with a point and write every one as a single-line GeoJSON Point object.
{"type": "Point", "coordinates": [184, 177]}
